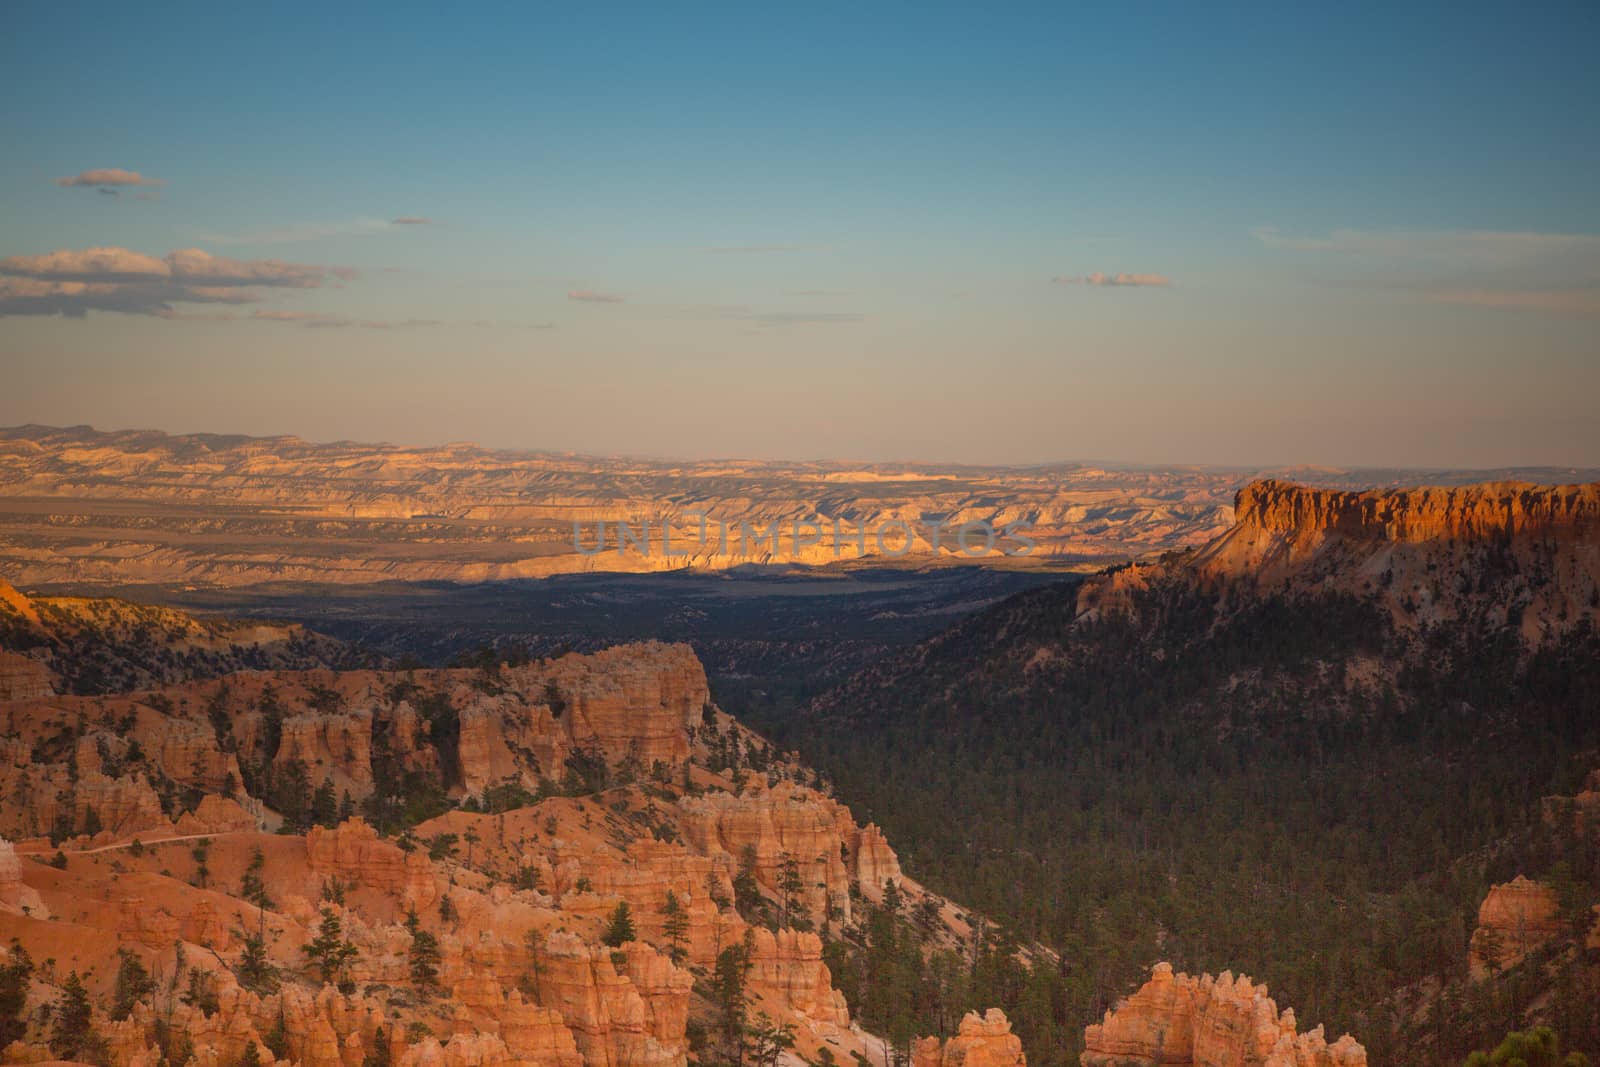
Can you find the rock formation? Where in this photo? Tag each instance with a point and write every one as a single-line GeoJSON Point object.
{"type": "Point", "coordinates": [1428, 555]}
{"type": "Point", "coordinates": [23, 677]}
{"type": "Point", "coordinates": [515, 901]}
{"type": "Point", "coordinates": [1516, 919]}
{"type": "Point", "coordinates": [981, 1041]}
{"type": "Point", "coordinates": [1177, 1020]}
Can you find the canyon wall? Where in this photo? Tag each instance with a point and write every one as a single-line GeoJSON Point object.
{"type": "Point", "coordinates": [149, 861]}
{"type": "Point", "coordinates": [1522, 555]}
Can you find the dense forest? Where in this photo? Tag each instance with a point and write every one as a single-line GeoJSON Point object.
{"type": "Point", "coordinates": [1289, 787]}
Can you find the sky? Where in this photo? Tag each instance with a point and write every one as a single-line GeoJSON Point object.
{"type": "Point", "coordinates": [1347, 235]}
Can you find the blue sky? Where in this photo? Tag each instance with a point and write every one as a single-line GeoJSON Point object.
{"type": "Point", "coordinates": [1347, 235]}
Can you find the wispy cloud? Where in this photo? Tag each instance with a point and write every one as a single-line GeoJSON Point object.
{"type": "Point", "coordinates": [589, 296]}
{"type": "Point", "coordinates": [1123, 278]}
{"type": "Point", "coordinates": [321, 320]}
{"type": "Point", "coordinates": [411, 220]}
{"type": "Point", "coordinates": [749, 250]}
{"type": "Point", "coordinates": [107, 180]}
{"type": "Point", "coordinates": [72, 282]}
{"type": "Point", "coordinates": [1566, 301]}
{"type": "Point", "coordinates": [1461, 247]}
{"type": "Point", "coordinates": [1506, 269]}
{"type": "Point", "coordinates": [297, 232]}
{"type": "Point", "coordinates": [818, 292]}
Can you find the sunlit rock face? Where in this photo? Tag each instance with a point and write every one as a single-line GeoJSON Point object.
{"type": "Point", "coordinates": [1524, 554]}
{"type": "Point", "coordinates": [980, 1041]}
{"type": "Point", "coordinates": [213, 511]}
{"type": "Point", "coordinates": [1174, 1020]}
{"type": "Point", "coordinates": [517, 903]}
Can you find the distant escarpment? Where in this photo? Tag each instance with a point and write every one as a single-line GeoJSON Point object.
{"type": "Point", "coordinates": [1512, 553]}
{"type": "Point", "coordinates": [1495, 509]}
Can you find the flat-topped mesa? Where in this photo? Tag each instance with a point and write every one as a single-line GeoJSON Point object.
{"type": "Point", "coordinates": [1508, 553]}
{"type": "Point", "coordinates": [1422, 514]}
{"type": "Point", "coordinates": [1209, 1022]}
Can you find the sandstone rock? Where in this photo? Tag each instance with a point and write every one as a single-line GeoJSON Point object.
{"type": "Point", "coordinates": [216, 815]}
{"type": "Point", "coordinates": [15, 897]}
{"type": "Point", "coordinates": [23, 677]}
{"type": "Point", "coordinates": [608, 1017]}
{"type": "Point", "coordinates": [336, 747]}
{"type": "Point", "coordinates": [793, 822]}
{"type": "Point", "coordinates": [1515, 919]}
{"type": "Point", "coordinates": [981, 1041]}
{"type": "Point", "coordinates": [1208, 1022]}
{"type": "Point", "coordinates": [354, 853]}
{"type": "Point", "coordinates": [786, 971]}
{"type": "Point", "coordinates": [122, 805]}
{"type": "Point", "coordinates": [1424, 553]}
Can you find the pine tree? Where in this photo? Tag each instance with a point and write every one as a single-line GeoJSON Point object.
{"type": "Point", "coordinates": [74, 1031]}
{"type": "Point", "coordinates": [728, 993]}
{"type": "Point", "coordinates": [15, 976]}
{"type": "Point", "coordinates": [424, 958]}
{"type": "Point", "coordinates": [251, 1057]}
{"type": "Point", "coordinates": [202, 854]}
{"type": "Point", "coordinates": [674, 927]}
{"type": "Point", "coordinates": [621, 931]}
{"type": "Point", "coordinates": [329, 950]}
{"type": "Point", "coordinates": [378, 1055]}
{"type": "Point", "coordinates": [325, 805]}
{"type": "Point", "coordinates": [253, 887]}
{"type": "Point", "coordinates": [133, 985]}
{"type": "Point", "coordinates": [790, 885]}
{"type": "Point", "coordinates": [255, 969]}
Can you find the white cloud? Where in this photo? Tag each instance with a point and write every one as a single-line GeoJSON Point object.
{"type": "Point", "coordinates": [107, 179]}
{"type": "Point", "coordinates": [72, 282]}
{"type": "Point", "coordinates": [589, 296]}
{"type": "Point", "coordinates": [1124, 278]}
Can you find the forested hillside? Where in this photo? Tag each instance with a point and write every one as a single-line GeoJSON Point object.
{"type": "Point", "coordinates": [1289, 783]}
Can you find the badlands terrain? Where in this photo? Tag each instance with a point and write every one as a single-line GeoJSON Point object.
{"type": "Point", "coordinates": [572, 862]}
{"type": "Point", "coordinates": [83, 507]}
{"type": "Point", "coordinates": [1345, 744]}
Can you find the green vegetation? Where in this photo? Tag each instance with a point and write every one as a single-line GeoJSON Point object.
{"type": "Point", "coordinates": [1290, 789]}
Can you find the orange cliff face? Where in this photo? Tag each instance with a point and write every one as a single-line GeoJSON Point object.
{"type": "Point", "coordinates": [516, 901]}
{"type": "Point", "coordinates": [1526, 555]}
{"type": "Point", "coordinates": [1216, 1022]}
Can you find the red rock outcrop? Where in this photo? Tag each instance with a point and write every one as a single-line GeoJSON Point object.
{"type": "Point", "coordinates": [981, 1041]}
{"type": "Point", "coordinates": [793, 822]}
{"type": "Point", "coordinates": [23, 677]}
{"type": "Point", "coordinates": [787, 972]}
{"type": "Point", "coordinates": [1516, 919]}
{"type": "Point", "coordinates": [1582, 809]}
{"type": "Point", "coordinates": [1524, 553]}
{"type": "Point", "coordinates": [14, 895]}
{"type": "Point", "coordinates": [332, 747]}
{"type": "Point", "coordinates": [355, 854]}
{"type": "Point", "coordinates": [610, 1019]}
{"type": "Point", "coordinates": [1208, 1022]}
